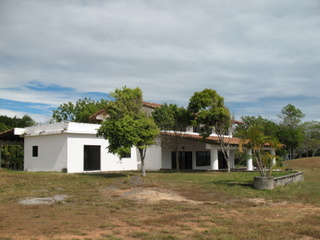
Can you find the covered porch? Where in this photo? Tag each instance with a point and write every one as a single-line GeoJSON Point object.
{"type": "Point", "coordinates": [11, 137]}
{"type": "Point", "coordinates": [196, 153]}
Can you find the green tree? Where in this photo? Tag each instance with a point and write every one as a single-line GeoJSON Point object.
{"type": "Point", "coordinates": [290, 130]}
{"type": "Point", "coordinates": [209, 112]}
{"type": "Point", "coordinates": [173, 121]}
{"type": "Point", "coordinates": [127, 125]}
{"type": "Point", "coordinates": [15, 122]}
{"type": "Point", "coordinates": [78, 112]}
{"type": "Point", "coordinates": [311, 138]}
{"type": "Point", "coordinates": [268, 127]}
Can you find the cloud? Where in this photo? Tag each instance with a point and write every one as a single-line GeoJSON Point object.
{"type": "Point", "coordinates": [258, 55]}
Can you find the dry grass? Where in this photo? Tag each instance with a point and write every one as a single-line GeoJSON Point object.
{"type": "Point", "coordinates": [162, 206]}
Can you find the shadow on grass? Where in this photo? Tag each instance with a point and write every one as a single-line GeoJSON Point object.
{"type": "Point", "coordinates": [106, 175]}
{"type": "Point", "coordinates": [232, 183]}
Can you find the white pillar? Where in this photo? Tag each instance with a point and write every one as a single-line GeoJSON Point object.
{"type": "Point", "coordinates": [231, 159]}
{"type": "Point", "coordinates": [249, 160]}
{"type": "Point", "coordinates": [273, 153]}
{"type": "Point", "coordinates": [214, 159]}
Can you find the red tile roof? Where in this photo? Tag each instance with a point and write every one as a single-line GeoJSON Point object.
{"type": "Point", "coordinates": [151, 105]}
{"type": "Point", "coordinates": [94, 116]}
{"type": "Point", "coordinates": [104, 110]}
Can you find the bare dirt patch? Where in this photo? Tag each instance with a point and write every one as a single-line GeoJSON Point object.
{"type": "Point", "coordinates": [44, 200]}
{"type": "Point", "coordinates": [148, 195]}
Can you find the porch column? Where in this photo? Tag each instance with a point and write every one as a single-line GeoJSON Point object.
{"type": "Point", "coordinates": [214, 159]}
{"type": "Point", "coordinates": [249, 160]}
{"type": "Point", "coordinates": [273, 153]}
{"type": "Point", "coordinates": [231, 158]}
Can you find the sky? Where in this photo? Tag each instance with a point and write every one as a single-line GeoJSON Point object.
{"type": "Point", "coordinates": [259, 55]}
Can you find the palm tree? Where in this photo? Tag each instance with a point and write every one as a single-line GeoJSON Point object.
{"type": "Point", "coordinates": [255, 139]}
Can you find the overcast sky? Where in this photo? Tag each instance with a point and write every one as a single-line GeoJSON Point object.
{"type": "Point", "coordinates": [260, 55]}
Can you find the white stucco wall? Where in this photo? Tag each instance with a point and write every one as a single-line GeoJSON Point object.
{"type": "Point", "coordinates": [61, 146]}
{"type": "Point", "coordinates": [187, 146]}
{"type": "Point", "coordinates": [109, 162]}
{"type": "Point", "coordinates": [153, 158]}
{"type": "Point", "coordinates": [52, 153]}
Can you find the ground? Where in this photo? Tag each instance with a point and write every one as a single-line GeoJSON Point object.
{"type": "Point", "coordinates": [162, 206]}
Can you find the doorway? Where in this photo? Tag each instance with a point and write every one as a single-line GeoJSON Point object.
{"type": "Point", "coordinates": [222, 160]}
{"type": "Point", "coordinates": [91, 158]}
{"type": "Point", "coordinates": [185, 160]}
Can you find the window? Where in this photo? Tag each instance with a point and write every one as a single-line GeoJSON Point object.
{"type": "Point", "coordinates": [196, 129]}
{"type": "Point", "coordinates": [34, 151]}
{"type": "Point", "coordinates": [126, 155]}
{"type": "Point", "coordinates": [203, 158]}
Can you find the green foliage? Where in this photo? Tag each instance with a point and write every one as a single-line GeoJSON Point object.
{"type": "Point", "coordinates": [291, 116]}
{"type": "Point", "coordinates": [78, 112]}
{"type": "Point", "coordinates": [290, 130]}
{"type": "Point", "coordinates": [127, 101]}
{"type": "Point", "coordinates": [128, 131]}
{"type": "Point", "coordinates": [208, 111]}
{"type": "Point", "coordinates": [12, 157]}
{"type": "Point", "coordinates": [9, 122]}
{"type": "Point", "coordinates": [171, 117]}
{"type": "Point", "coordinates": [268, 127]}
{"type": "Point", "coordinates": [255, 139]}
{"type": "Point", "coordinates": [127, 126]}
{"type": "Point", "coordinates": [311, 138]}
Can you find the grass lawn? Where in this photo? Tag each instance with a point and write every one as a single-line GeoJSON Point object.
{"type": "Point", "coordinates": [164, 205]}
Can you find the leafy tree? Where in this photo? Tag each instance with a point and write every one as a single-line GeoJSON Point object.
{"type": "Point", "coordinates": [127, 126]}
{"type": "Point", "coordinates": [290, 131]}
{"type": "Point", "coordinates": [209, 112]}
{"type": "Point", "coordinates": [15, 122]}
{"type": "Point", "coordinates": [78, 112]}
{"type": "Point", "coordinates": [268, 127]}
{"type": "Point", "coordinates": [173, 121]}
{"type": "Point", "coordinates": [311, 138]}
{"type": "Point", "coordinates": [255, 139]}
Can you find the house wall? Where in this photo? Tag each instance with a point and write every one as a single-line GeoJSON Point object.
{"type": "Point", "coordinates": [188, 146]}
{"type": "Point", "coordinates": [109, 162]}
{"type": "Point", "coordinates": [153, 157]}
{"type": "Point", "coordinates": [52, 153]}
{"type": "Point", "coordinates": [61, 147]}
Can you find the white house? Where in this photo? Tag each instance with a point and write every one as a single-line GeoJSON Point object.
{"type": "Point", "coordinates": [74, 147]}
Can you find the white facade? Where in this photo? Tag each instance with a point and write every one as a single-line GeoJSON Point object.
{"type": "Point", "coordinates": [61, 147]}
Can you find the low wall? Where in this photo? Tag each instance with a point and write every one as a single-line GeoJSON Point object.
{"type": "Point", "coordinates": [287, 179]}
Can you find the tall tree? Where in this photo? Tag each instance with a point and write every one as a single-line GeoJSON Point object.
{"type": "Point", "coordinates": [209, 112]}
{"type": "Point", "coordinates": [172, 121]}
{"type": "Point", "coordinates": [290, 132]}
{"type": "Point", "coordinates": [311, 138]}
{"type": "Point", "coordinates": [78, 112]}
{"type": "Point", "coordinates": [127, 125]}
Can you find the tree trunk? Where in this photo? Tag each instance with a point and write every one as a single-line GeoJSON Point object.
{"type": "Point", "coordinates": [142, 156]}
